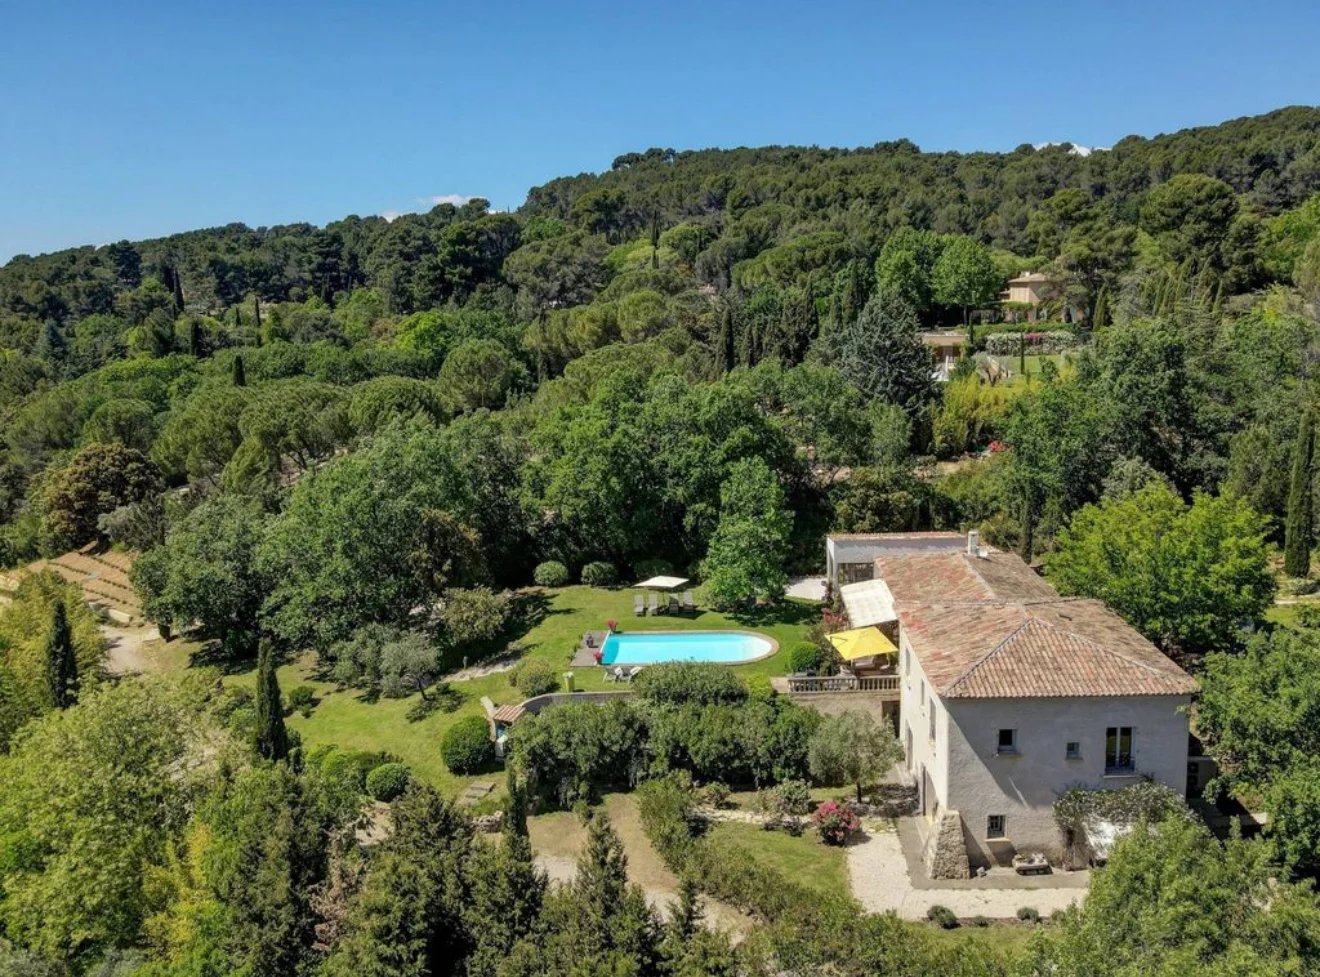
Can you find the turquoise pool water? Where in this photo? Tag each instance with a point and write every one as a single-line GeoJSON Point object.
{"type": "Point", "coordinates": [648, 648]}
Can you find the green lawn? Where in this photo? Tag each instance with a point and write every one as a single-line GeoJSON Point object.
{"type": "Point", "coordinates": [346, 718]}
{"type": "Point", "coordinates": [806, 859]}
{"type": "Point", "coordinates": [1034, 364]}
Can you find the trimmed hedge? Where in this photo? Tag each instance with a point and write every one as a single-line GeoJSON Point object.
{"type": "Point", "coordinates": [551, 573]}
{"type": "Point", "coordinates": [388, 781]}
{"type": "Point", "coordinates": [466, 747]}
{"type": "Point", "coordinates": [599, 574]}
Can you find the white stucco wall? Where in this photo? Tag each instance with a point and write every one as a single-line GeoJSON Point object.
{"type": "Point", "coordinates": [913, 714]}
{"type": "Point", "coordinates": [1023, 786]}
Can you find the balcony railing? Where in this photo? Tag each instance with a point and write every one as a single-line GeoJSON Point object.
{"type": "Point", "coordinates": [843, 683]}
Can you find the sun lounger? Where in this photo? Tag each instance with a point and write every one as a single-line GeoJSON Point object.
{"type": "Point", "coordinates": [689, 605]}
{"type": "Point", "coordinates": [673, 605]}
{"type": "Point", "coordinates": [632, 674]}
{"type": "Point", "coordinates": [655, 605]}
{"type": "Point", "coordinates": [639, 606]}
{"type": "Point", "coordinates": [618, 673]}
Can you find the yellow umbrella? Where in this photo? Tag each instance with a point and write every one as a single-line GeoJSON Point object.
{"type": "Point", "coordinates": [861, 643]}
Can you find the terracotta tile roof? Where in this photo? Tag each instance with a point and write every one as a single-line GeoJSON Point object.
{"type": "Point", "coordinates": [507, 714]}
{"type": "Point", "coordinates": [959, 576]}
{"type": "Point", "coordinates": [989, 627]}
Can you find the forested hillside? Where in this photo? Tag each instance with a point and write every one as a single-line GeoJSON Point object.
{"type": "Point", "coordinates": [360, 440]}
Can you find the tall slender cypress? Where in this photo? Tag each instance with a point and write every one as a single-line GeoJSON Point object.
{"type": "Point", "coordinates": [1299, 524]}
{"type": "Point", "coordinates": [239, 372]}
{"type": "Point", "coordinates": [272, 737]}
{"type": "Point", "coordinates": [61, 663]}
{"type": "Point", "coordinates": [515, 812]}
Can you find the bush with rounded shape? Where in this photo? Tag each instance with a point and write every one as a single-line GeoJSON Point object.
{"type": "Point", "coordinates": [836, 822]}
{"type": "Point", "coordinates": [387, 781]}
{"type": "Point", "coordinates": [942, 916]}
{"type": "Point", "coordinates": [534, 678]}
{"type": "Point", "coordinates": [599, 574]}
{"type": "Point", "coordinates": [790, 797]}
{"type": "Point", "coordinates": [466, 747]}
{"type": "Point", "coordinates": [805, 657]}
{"type": "Point", "coordinates": [551, 573]}
{"type": "Point", "coordinates": [1028, 914]}
{"type": "Point", "coordinates": [301, 698]}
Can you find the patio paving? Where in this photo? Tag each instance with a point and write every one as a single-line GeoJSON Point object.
{"type": "Point", "coordinates": [806, 588]}
{"type": "Point", "coordinates": [886, 875]}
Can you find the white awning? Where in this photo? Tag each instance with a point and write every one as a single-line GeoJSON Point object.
{"type": "Point", "coordinates": [663, 583]}
{"type": "Point", "coordinates": [868, 602]}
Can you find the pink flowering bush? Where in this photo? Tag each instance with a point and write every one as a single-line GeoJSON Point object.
{"type": "Point", "coordinates": [835, 821]}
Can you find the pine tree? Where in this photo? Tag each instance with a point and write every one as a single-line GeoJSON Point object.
{"type": "Point", "coordinates": [1299, 532]}
{"type": "Point", "coordinates": [239, 372]}
{"type": "Point", "coordinates": [272, 737]}
{"type": "Point", "coordinates": [61, 664]}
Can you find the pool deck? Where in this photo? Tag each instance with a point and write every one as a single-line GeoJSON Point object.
{"type": "Point", "coordinates": [585, 657]}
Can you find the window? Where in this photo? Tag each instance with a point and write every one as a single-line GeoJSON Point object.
{"type": "Point", "coordinates": [995, 826]}
{"type": "Point", "coordinates": [932, 720]}
{"type": "Point", "coordinates": [923, 694]}
{"type": "Point", "coordinates": [1007, 741]}
{"type": "Point", "coordinates": [1118, 749]}
{"type": "Point", "coordinates": [907, 661]}
{"type": "Point", "coordinates": [1073, 751]}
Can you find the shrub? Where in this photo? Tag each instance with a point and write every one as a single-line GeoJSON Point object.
{"type": "Point", "coordinates": [979, 921]}
{"type": "Point", "coordinates": [387, 781]}
{"type": "Point", "coordinates": [836, 822]}
{"type": "Point", "coordinates": [714, 794]}
{"type": "Point", "coordinates": [599, 574]}
{"type": "Point", "coordinates": [1308, 616]}
{"type": "Point", "coordinates": [1028, 914]}
{"type": "Point", "coordinates": [466, 747]}
{"type": "Point", "coordinates": [551, 573]}
{"type": "Point", "coordinates": [942, 916]}
{"type": "Point", "coordinates": [301, 698]}
{"type": "Point", "coordinates": [805, 657]}
{"type": "Point", "coordinates": [790, 797]}
{"type": "Point", "coordinates": [534, 677]}
{"type": "Point", "coordinates": [571, 751]}
{"type": "Point", "coordinates": [675, 683]}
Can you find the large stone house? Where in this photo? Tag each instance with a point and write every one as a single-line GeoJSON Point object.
{"type": "Point", "coordinates": [1009, 694]}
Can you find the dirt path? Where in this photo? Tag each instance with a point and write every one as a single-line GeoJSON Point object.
{"type": "Point", "coordinates": [558, 838]}
{"type": "Point", "coordinates": [125, 649]}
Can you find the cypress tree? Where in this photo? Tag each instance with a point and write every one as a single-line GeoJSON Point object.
{"type": "Point", "coordinates": [515, 814]}
{"type": "Point", "coordinates": [1100, 316]}
{"type": "Point", "coordinates": [272, 738]}
{"type": "Point", "coordinates": [256, 310]}
{"type": "Point", "coordinates": [726, 351]}
{"type": "Point", "coordinates": [1027, 539]}
{"type": "Point", "coordinates": [655, 239]}
{"type": "Point", "coordinates": [61, 664]}
{"type": "Point", "coordinates": [239, 372]}
{"type": "Point", "coordinates": [1298, 532]}
{"type": "Point", "coordinates": [195, 339]}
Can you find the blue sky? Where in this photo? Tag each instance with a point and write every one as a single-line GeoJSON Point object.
{"type": "Point", "coordinates": [134, 119]}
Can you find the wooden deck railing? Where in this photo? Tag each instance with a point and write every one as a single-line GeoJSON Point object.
{"type": "Point", "coordinates": [844, 683]}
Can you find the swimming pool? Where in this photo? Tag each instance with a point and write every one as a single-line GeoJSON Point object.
{"type": "Point", "coordinates": [651, 647]}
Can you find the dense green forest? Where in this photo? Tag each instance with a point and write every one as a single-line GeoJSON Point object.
{"type": "Point", "coordinates": [361, 439]}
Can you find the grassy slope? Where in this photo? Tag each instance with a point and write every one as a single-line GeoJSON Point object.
{"type": "Point", "coordinates": [805, 859]}
{"type": "Point", "coordinates": [345, 718]}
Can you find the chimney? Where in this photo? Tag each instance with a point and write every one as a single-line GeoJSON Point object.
{"type": "Point", "coordinates": [973, 542]}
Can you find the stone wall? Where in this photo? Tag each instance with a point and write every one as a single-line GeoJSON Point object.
{"type": "Point", "coordinates": [945, 855]}
{"type": "Point", "coordinates": [883, 706]}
